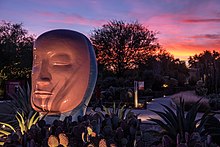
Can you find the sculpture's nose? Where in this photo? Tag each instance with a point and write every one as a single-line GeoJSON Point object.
{"type": "Point", "coordinates": [45, 75]}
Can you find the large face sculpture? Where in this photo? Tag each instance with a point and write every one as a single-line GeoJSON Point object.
{"type": "Point", "coordinates": [64, 71]}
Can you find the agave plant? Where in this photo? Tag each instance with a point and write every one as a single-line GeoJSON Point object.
{"type": "Point", "coordinates": [179, 124]}
{"type": "Point", "coordinates": [24, 116]}
{"type": "Point", "coordinates": [212, 128]}
{"type": "Point", "coordinates": [24, 125]}
{"type": "Point", "coordinates": [21, 100]}
{"type": "Point", "coordinates": [117, 111]}
{"type": "Point", "coordinates": [5, 130]}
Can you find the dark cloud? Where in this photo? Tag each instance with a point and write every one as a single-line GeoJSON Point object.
{"type": "Point", "coordinates": [201, 20]}
{"type": "Point", "coordinates": [208, 36]}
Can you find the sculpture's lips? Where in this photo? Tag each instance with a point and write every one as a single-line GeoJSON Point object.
{"type": "Point", "coordinates": [42, 93]}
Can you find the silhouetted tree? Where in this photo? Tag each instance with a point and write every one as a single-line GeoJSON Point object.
{"type": "Point", "coordinates": [172, 67]}
{"type": "Point", "coordinates": [208, 64]}
{"type": "Point", "coordinates": [163, 68]}
{"type": "Point", "coordinates": [15, 51]}
{"type": "Point", "coordinates": [120, 46]}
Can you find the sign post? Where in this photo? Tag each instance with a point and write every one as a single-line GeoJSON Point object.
{"type": "Point", "coordinates": [141, 85]}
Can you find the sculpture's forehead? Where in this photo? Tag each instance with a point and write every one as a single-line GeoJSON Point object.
{"type": "Point", "coordinates": [62, 34]}
{"type": "Point", "coordinates": [62, 42]}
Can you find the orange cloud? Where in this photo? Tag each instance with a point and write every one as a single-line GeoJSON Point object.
{"type": "Point", "coordinates": [183, 51]}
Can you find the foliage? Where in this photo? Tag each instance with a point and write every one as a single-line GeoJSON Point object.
{"type": "Point", "coordinates": [149, 138]}
{"type": "Point", "coordinates": [214, 101]}
{"type": "Point", "coordinates": [13, 72]}
{"type": "Point", "coordinates": [201, 90]}
{"type": "Point", "coordinates": [180, 125]}
{"type": "Point", "coordinates": [24, 114]}
{"type": "Point", "coordinates": [120, 46]}
{"type": "Point", "coordinates": [119, 111]}
{"type": "Point", "coordinates": [53, 141]}
{"type": "Point", "coordinates": [19, 103]}
{"type": "Point", "coordinates": [24, 125]}
{"type": "Point", "coordinates": [159, 69]}
{"type": "Point", "coordinates": [102, 129]}
{"type": "Point", "coordinates": [90, 130]}
{"type": "Point", "coordinates": [170, 66]}
{"type": "Point", "coordinates": [212, 128]}
{"type": "Point", "coordinates": [15, 51]}
{"type": "Point", "coordinates": [128, 50]}
{"type": "Point", "coordinates": [21, 100]}
{"type": "Point", "coordinates": [208, 64]}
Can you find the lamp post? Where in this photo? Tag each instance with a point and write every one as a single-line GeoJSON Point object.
{"type": "Point", "coordinates": [135, 94]}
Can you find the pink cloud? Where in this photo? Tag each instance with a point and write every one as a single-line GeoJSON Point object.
{"type": "Point", "coordinates": [46, 14]}
{"type": "Point", "coordinates": [71, 19]}
{"type": "Point", "coordinates": [185, 39]}
{"type": "Point", "coordinates": [207, 36]}
{"type": "Point", "coordinates": [201, 20]}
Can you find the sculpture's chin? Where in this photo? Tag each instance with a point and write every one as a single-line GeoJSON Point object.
{"type": "Point", "coordinates": [50, 106]}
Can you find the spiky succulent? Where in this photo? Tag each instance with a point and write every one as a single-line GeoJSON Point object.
{"type": "Point", "coordinates": [179, 122]}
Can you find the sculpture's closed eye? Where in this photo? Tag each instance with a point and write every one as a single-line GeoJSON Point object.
{"type": "Point", "coordinates": [60, 63]}
{"type": "Point", "coordinates": [61, 66]}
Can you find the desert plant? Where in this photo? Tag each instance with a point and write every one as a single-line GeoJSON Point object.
{"type": "Point", "coordinates": [24, 116]}
{"type": "Point", "coordinates": [180, 124]}
{"type": "Point", "coordinates": [212, 128]}
{"type": "Point", "coordinates": [102, 143]}
{"type": "Point", "coordinates": [6, 129]}
{"type": "Point", "coordinates": [64, 141]}
{"type": "Point", "coordinates": [119, 111]}
{"type": "Point", "coordinates": [53, 141]}
{"type": "Point", "coordinates": [148, 138]}
{"type": "Point", "coordinates": [88, 134]}
{"type": "Point", "coordinates": [24, 125]}
{"type": "Point", "coordinates": [21, 100]}
{"type": "Point", "coordinates": [201, 90]}
{"type": "Point", "coordinates": [214, 101]}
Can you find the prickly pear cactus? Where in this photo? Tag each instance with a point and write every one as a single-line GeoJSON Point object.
{"type": "Point", "coordinates": [96, 126]}
{"type": "Point", "coordinates": [102, 143]}
{"type": "Point", "coordinates": [63, 139]}
{"type": "Point", "coordinates": [115, 121]}
{"type": "Point", "coordinates": [53, 141]}
{"type": "Point", "coordinates": [107, 131]}
{"type": "Point", "coordinates": [124, 142]}
{"type": "Point", "coordinates": [119, 133]}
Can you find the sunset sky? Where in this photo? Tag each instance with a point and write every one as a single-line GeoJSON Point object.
{"type": "Point", "coordinates": [185, 27]}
